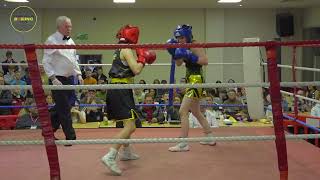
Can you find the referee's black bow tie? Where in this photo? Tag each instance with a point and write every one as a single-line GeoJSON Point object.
{"type": "Point", "coordinates": [66, 38]}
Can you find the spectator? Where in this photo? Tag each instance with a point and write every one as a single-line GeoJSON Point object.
{"type": "Point", "coordinates": [17, 81]}
{"type": "Point", "coordinates": [29, 120]}
{"type": "Point", "coordinates": [162, 91]}
{"type": "Point", "coordinates": [17, 100]}
{"type": "Point", "coordinates": [138, 96]}
{"type": "Point", "coordinates": [242, 95]}
{"type": "Point", "coordinates": [26, 77]}
{"type": "Point", "coordinates": [209, 102]}
{"type": "Point", "coordinates": [211, 116]}
{"type": "Point", "coordinates": [5, 99]}
{"type": "Point", "coordinates": [302, 105]}
{"type": "Point", "coordinates": [9, 59]}
{"type": "Point", "coordinates": [89, 79]}
{"type": "Point", "coordinates": [9, 76]}
{"type": "Point", "coordinates": [173, 111]}
{"type": "Point", "coordinates": [100, 77]}
{"type": "Point", "coordinates": [151, 114]}
{"type": "Point", "coordinates": [144, 82]}
{"type": "Point", "coordinates": [77, 115]}
{"type": "Point", "coordinates": [93, 113]}
{"type": "Point", "coordinates": [232, 100]}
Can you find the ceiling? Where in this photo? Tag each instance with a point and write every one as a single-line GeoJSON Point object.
{"type": "Point", "coordinates": [164, 4]}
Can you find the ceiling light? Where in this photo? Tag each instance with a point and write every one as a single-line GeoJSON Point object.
{"type": "Point", "coordinates": [22, 1]}
{"type": "Point", "coordinates": [229, 1]}
{"type": "Point", "coordinates": [124, 1]}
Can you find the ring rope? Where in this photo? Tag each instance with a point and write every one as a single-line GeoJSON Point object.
{"type": "Point", "coordinates": [301, 97]}
{"type": "Point", "coordinates": [159, 86]}
{"type": "Point", "coordinates": [143, 105]}
{"type": "Point", "coordinates": [156, 64]}
{"type": "Point", "coordinates": [162, 140]}
{"type": "Point", "coordinates": [163, 46]}
{"type": "Point", "coordinates": [301, 122]}
{"type": "Point", "coordinates": [297, 67]}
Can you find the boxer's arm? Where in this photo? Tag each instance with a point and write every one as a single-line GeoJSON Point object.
{"type": "Point", "coordinates": [127, 55]}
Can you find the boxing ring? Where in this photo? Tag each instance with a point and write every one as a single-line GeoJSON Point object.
{"type": "Point", "coordinates": [251, 155]}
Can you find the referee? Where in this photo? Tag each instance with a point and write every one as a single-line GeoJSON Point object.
{"type": "Point", "coordinates": [61, 66]}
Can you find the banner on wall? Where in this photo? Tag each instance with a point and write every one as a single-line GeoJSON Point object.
{"type": "Point", "coordinates": [82, 36]}
{"type": "Point", "coordinates": [23, 19]}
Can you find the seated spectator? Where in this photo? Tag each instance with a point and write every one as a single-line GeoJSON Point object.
{"type": "Point", "coordinates": [9, 59]}
{"type": "Point", "coordinates": [93, 113]}
{"type": "Point", "coordinates": [44, 76]}
{"type": "Point", "coordinates": [209, 102]}
{"type": "Point", "coordinates": [302, 105]}
{"type": "Point", "coordinates": [29, 120]}
{"type": "Point", "coordinates": [9, 76]}
{"type": "Point", "coordinates": [101, 94]}
{"type": "Point", "coordinates": [222, 97]}
{"type": "Point", "coordinates": [236, 111]}
{"type": "Point", "coordinates": [17, 100]}
{"type": "Point", "coordinates": [26, 77]}
{"type": "Point", "coordinates": [5, 99]}
{"type": "Point", "coordinates": [211, 116]}
{"type": "Point", "coordinates": [153, 93]}
{"type": "Point", "coordinates": [151, 114]}
{"type": "Point", "coordinates": [138, 96]}
{"type": "Point", "coordinates": [89, 79]}
{"type": "Point", "coordinates": [77, 115]}
{"type": "Point", "coordinates": [156, 81]}
{"type": "Point", "coordinates": [164, 99]}
{"type": "Point", "coordinates": [242, 95]}
{"type": "Point", "coordinates": [162, 91]}
{"type": "Point", "coordinates": [173, 111]}
{"type": "Point", "coordinates": [100, 77]}
{"type": "Point", "coordinates": [17, 81]}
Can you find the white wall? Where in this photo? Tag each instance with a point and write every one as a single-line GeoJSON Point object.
{"type": "Point", "coordinates": [311, 17]}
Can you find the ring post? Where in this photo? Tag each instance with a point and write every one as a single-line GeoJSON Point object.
{"type": "Point", "coordinates": [44, 116]}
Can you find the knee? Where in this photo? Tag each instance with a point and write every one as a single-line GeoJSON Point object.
{"type": "Point", "coordinates": [197, 114]}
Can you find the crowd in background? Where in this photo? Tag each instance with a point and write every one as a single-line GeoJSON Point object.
{"type": "Point", "coordinates": [146, 99]}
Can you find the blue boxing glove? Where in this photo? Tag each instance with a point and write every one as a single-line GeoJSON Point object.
{"type": "Point", "coordinates": [185, 54]}
{"type": "Point", "coordinates": [172, 50]}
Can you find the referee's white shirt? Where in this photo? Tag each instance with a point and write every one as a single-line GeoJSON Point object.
{"type": "Point", "coordinates": [60, 62]}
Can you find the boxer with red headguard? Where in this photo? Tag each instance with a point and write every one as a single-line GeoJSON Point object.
{"type": "Point", "coordinates": [120, 102]}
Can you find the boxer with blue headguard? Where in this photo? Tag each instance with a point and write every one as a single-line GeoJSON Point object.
{"type": "Point", "coordinates": [194, 59]}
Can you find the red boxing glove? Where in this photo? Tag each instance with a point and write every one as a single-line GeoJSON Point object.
{"type": "Point", "coordinates": [146, 56]}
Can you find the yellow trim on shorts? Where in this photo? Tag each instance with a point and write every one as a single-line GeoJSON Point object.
{"type": "Point", "coordinates": [122, 80]}
{"type": "Point", "coordinates": [134, 116]}
{"type": "Point", "coordinates": [194, 93]}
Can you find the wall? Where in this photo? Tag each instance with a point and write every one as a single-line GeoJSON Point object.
{"type": "Point", "coordinates": [209, 25]}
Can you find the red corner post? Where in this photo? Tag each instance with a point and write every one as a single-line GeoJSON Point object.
{"type": "Point", "coordinates": [44, 116]}
{"type": "Point", "coordinates": [276, 99]}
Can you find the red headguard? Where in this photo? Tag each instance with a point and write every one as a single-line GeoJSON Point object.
{"type": "Point", "coordinates": [129, 34]}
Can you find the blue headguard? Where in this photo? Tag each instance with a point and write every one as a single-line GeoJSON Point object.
{"type": "Point", "coordinates": [184, 30]}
